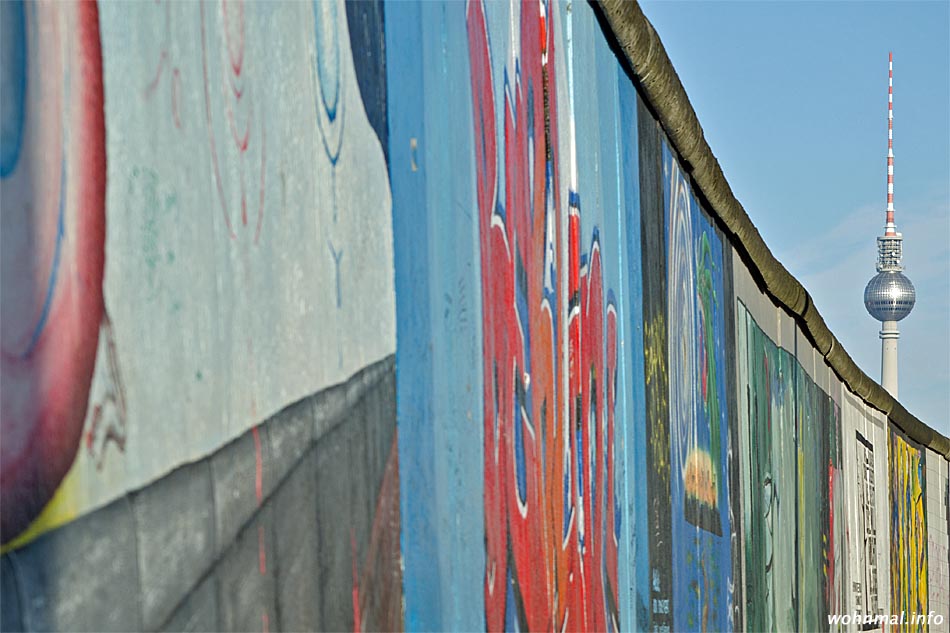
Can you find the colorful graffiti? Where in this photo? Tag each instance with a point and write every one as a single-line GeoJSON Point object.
{"type": "Point", "coordinates": [906, 465]}
{"type": "Point", "coordinates": [656, 375]}
{"type": "Point", "coordinates": [866, 597]}
{"type": "Point", "coordinates": [701, 528]}
{"type": "Point", "coordinates": [53, 168]}
{"type": "Point", "coordinates": [819, 586]}
{"type": "Point", "coordinates": [595, 431]}
{"type": "Point", "coordinates": [548, 455]}
{"type": "Point", "coordinates": [218, 183]}
{"type": "Point", "coordinates": [793, 510]}
{"type": "Point", "coordinates": [175, 309]}
{"type": "Point", "coordinates": [768, 423]}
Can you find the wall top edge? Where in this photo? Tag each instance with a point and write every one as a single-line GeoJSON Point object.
{"type": "Point", "coordinates": [639, 46]}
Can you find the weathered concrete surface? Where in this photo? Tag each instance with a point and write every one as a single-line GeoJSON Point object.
{"type": "Point", "coordinates": [432, 315]}
{"type": "Point", "coordinates": [148, 561]}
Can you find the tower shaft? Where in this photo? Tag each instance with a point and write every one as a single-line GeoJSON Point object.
{"type": "Point", "coordinates": [889, 336]}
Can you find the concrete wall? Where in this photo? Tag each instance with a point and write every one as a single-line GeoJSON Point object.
{"type": "Point", "coordinates": [279, 232]}
{"type": "Point", "coordinates": [291, 526]}
{"type": "Point", "coordinates": [637, 437]}
{"type": "Point", "coordinates": [198, 327]}
{"type": "Point", "coordinates": [938, 526]}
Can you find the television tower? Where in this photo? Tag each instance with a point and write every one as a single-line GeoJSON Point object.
{"type": "Point", "coordinates": [889, 296]}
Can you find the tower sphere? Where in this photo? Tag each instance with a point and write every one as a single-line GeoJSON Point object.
{"type": "Point", "coordinates": [889, 296]}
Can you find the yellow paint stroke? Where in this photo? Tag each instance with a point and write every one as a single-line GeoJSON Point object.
{"type": "Point", "coordinates": [61, 509]}
{"type": "Point", "coordinates": [908, 531]}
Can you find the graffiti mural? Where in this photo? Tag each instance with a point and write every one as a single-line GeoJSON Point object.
{"type": "Point", "coordinates": [866, 597]}
{"type": "Point", "coordinates": [836, 546]}
{"type": "Point", "coordinates": [656, 372]}
{"type": "Point", "coordinates": [242, 241]}
{"type": "Point", "coordinates": [768, 421]}
{"type": "Point", "coordinates": [793, 514]}
{"type": "Point", "coordinates": [819, 587]}
{"type": "Point", "coordinates": [186, 373]}
{"type": "Point", "coordinates": [53, 170]}
{"type": "Point", "coordinates": [907, 479]}
{"type": "Point", "coordinates": [631, 466]}
{"type": "Point", "coordinates": [217, 192]}
{"type": "Point", "coordinates": [549, 480]}
{"type": "Point", "coordinates": [699, 487]}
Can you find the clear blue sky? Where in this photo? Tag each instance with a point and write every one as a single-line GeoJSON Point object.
{"type": "Point", "coordinates": [792, 97]}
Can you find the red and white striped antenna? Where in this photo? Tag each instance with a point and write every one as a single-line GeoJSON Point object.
{"type": "Point", "coordinates": [889, 228]}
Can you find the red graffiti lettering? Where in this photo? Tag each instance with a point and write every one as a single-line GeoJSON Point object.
{"type": "Point", "coordinates": [551, 549]}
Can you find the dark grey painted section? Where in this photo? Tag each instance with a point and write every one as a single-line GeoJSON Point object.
{"type": "Point", "coordinates": [386, 432]}
{"type": "Point", "coordinates": [246, 593]}
{"type": "Point", "coordinates": [83, 577]}
{"type": "Point", "coordinates": [174, 521]}
{"type": "Point", "coordinates": [340, 508]}
{"type": "Point", "coordinates": [297, 544]}
{"type": "Point", "coordinates": [199, 611]}
{"type": "Point", "coordinates": [290, 437]}
{"type": "Point", "coordinates": [184, 553]}
{"type": "Point", "coordinates": [379, 436]}
{"type": "Point", "coordinates": [234, 474]}
{"type": "Point", "coordinates": [10, 619]}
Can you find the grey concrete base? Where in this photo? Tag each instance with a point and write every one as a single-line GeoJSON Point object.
{"type": "Point", "coordinates": [202, 549]}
